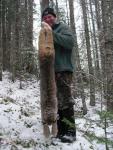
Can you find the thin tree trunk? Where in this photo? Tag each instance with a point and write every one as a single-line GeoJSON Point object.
{"type": "Point", "coordinates": [26, 24]}
{"type": "Point", "coordinates": [9, 22]}
{"type": "Point", "coordinates": [68, 22]}
{"type": "Point", "coordinates": [44, 4]}
{"type": "Point", "coordinates": [57, 9]}
{"type": "Point", "coordinates": [1, 52]}
{"type": "Point", "coordinates": [30, 27]}
{"type": "Point", "coordinates": [95, 41]}
{"type": "Point", "coordinates": [91, 38]}
{"type": "Point", "coordinates": [12, 53]}
{"type": "Point", "coordinates": [4, 34]}
{"type": "Point", "coordinates": [98, 12]}
{"type": "Point", "coordinates": [51, 3]}
{"type": "Point", "coordinates": [91, 72]}
{"type": "Point", "coordinates": [17, 30]}
{"type": "Point", "coordinates": [77, 57]}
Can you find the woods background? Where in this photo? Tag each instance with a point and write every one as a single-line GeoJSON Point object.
{"type": "Point", "coordinates": [92, 54]}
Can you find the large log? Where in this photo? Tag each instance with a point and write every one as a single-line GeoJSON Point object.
{"type": "Point", "coordinates": [47, 82]}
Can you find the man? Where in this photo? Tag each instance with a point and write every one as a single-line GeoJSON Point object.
{"type": "Point", "coordinates": [63, 44]}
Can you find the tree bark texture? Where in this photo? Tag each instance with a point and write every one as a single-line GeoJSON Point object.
{"type": "Point", "coordinates": [97, 71]}
{"type": "Point", "coordinates": [44, 4]}
{"type": "Point", "coordinates": [91, 72]}
{"type": "Point", "coordinates": [1, 52]}
{"type": "Point", "coordinates": [76, 58]}
{"type": "Point", "coordinates": [107, 15]}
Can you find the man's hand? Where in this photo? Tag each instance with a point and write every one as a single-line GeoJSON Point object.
{"type": "Point", "coordinates": [46, 26]}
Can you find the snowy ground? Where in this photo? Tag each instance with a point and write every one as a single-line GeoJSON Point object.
{"type": "Point", "coordinates": [20, 121]}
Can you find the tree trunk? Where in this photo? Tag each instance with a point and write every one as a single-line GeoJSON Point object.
{"type": "Point", "coordinates": [77, 57]}
{"type": "Point", "coordinates": [95, 41]}
{"type": "Point", "coordinates": [17, 34]}
{"type": "Point", "coordinates": [30, 20]}
{"type": "Point", "coordinates": [91, 72]}
{"type": "Point", "coordinates": [4, 34]}
{"type": "Point", "coordinates": [44, 4]}
{"type": "Point", "coordinates": [12, 53]}
{"type": "Point", "coordinates": [101, 45]}
{"type": "Point", "coordinates": [57, 9]}
{"type": "Point", "coordinates": [1, 52]}
{"type": "Point", "coordinates": [67, 15]}
{"type": "Point", "coordinates": [107, 15]}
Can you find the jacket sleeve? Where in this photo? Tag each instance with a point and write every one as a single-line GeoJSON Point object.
{"type": "Point", "coordinates": [64, 38]}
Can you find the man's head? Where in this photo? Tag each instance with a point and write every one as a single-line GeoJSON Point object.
{"type": "Point", "coordinates": [49, 16]}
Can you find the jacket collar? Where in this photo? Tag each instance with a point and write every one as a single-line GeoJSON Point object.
{"type": "Point", "coordinates": [55, 25]}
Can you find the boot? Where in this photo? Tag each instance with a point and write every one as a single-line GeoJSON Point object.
{"type": "Point", "coordinates": [66, 125]}
{"type": "Point", "coordinates": [60, 125]}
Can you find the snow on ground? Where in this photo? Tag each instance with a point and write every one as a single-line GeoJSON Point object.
{"type": "Point", "coordinates": [20, 121]}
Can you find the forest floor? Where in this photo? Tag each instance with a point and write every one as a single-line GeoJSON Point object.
{"type": "Point", "coordinates": [20, 121]}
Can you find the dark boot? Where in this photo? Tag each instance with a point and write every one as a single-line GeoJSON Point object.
{"type": "Point", "coordinates": [61, 125]}
{"type": "Point", "coordinates": [66, 125]}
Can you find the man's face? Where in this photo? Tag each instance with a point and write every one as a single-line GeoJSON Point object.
{"type": "Point", "coordinates": [49, 19]}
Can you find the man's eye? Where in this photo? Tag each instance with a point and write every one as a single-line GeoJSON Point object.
{"type": "Point", "coordinates": [44, 18]}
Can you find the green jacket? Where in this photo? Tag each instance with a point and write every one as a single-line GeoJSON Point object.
{"type": "Point", "coordinates": [63, 44]}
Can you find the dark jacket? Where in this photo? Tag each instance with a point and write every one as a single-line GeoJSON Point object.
{"type": "Point", "coordinates": [63, 43]}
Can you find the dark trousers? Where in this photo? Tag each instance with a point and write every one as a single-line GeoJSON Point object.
{"type": "Point", "coordinates": [63, 83]}
{"type": "Point", "coordinates": [66, 122]}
